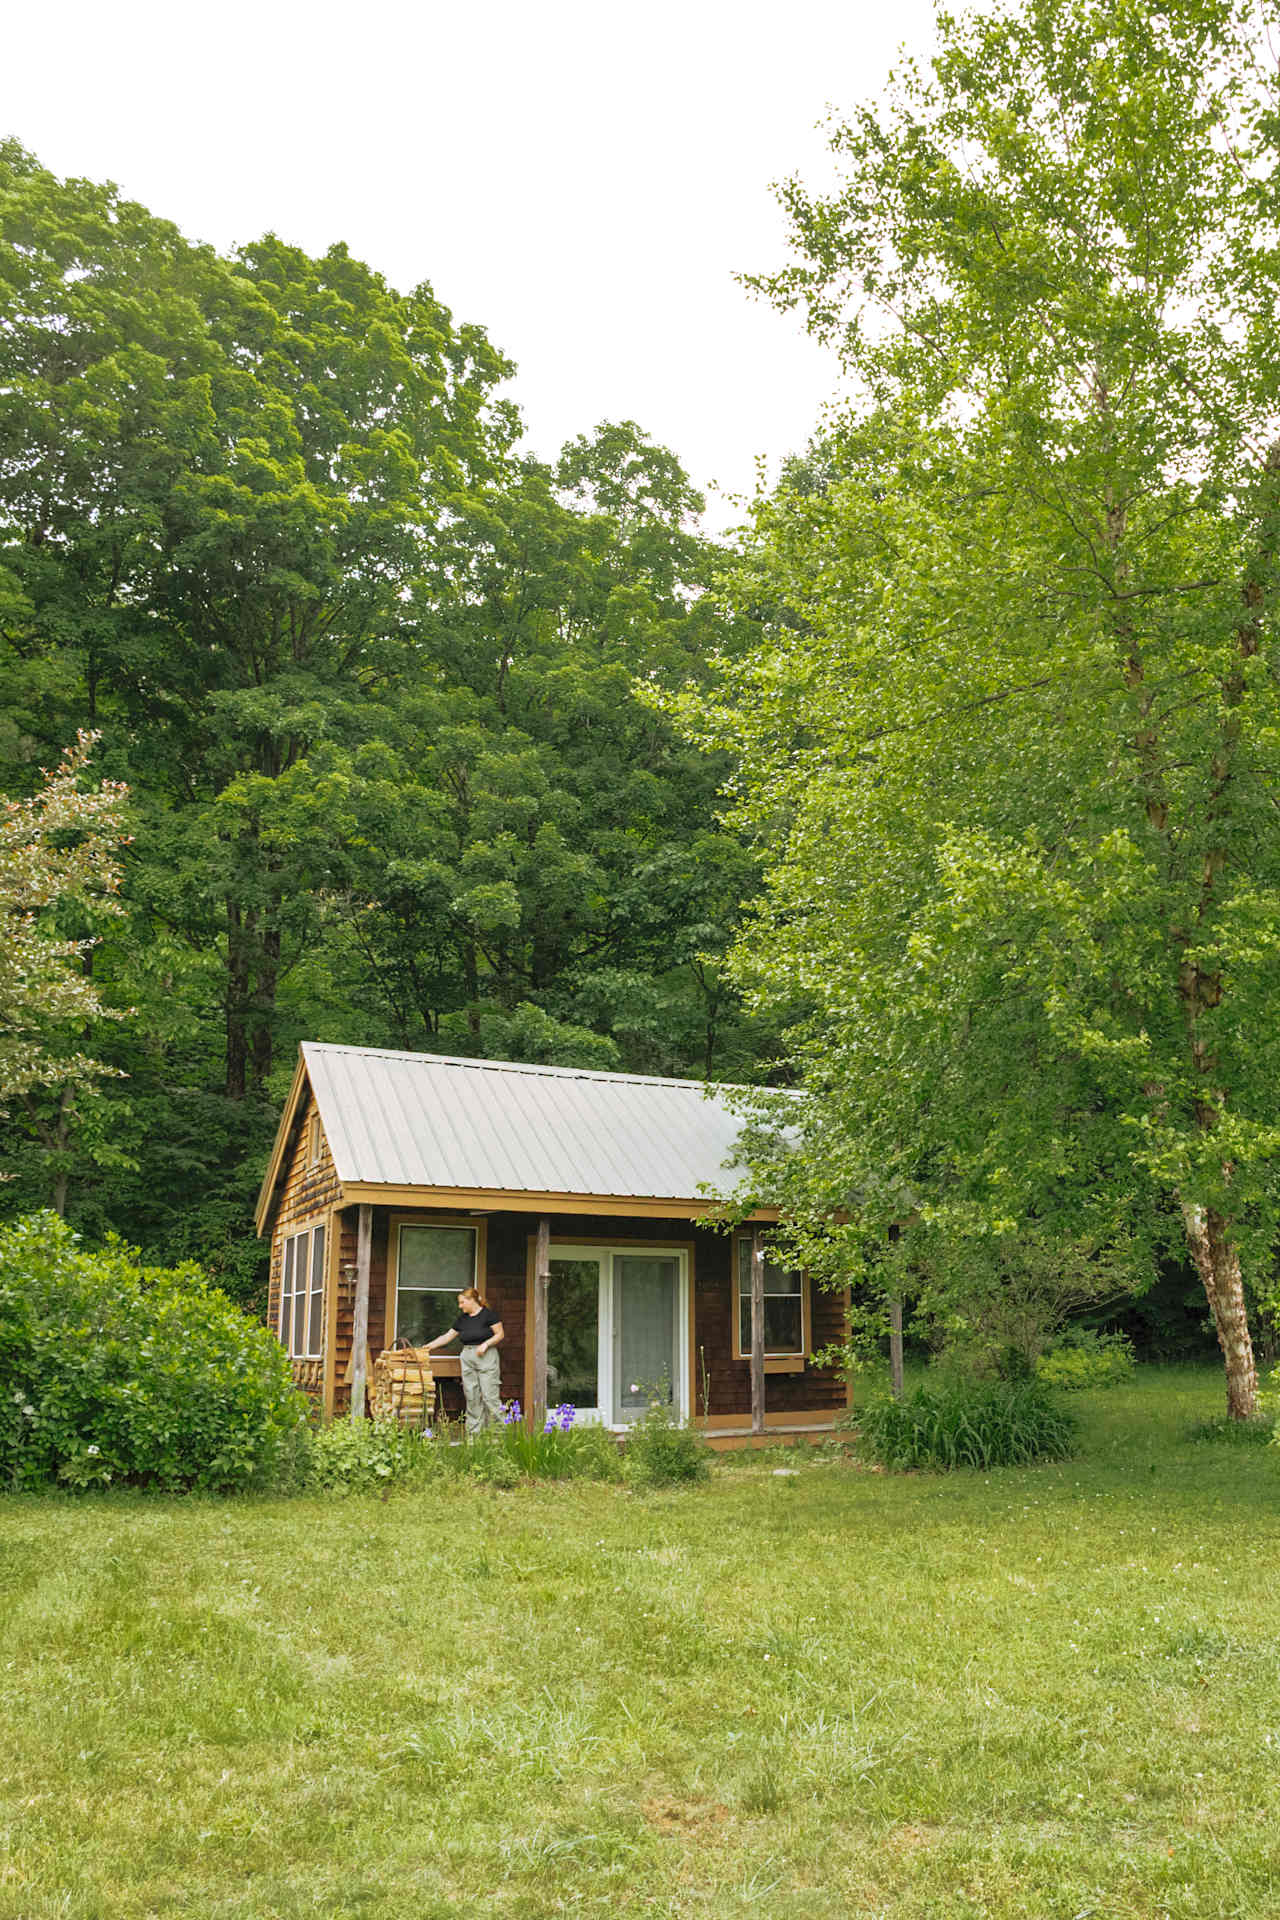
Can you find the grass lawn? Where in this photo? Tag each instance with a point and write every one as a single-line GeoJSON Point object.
{"type": "Point", "coordinates": [1047, 1692]}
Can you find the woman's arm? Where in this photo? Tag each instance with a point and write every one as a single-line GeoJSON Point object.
{"type": "Point", "coordinates": [495, 1334]}
{"type": "Point", "coordinates": [441, 1340]}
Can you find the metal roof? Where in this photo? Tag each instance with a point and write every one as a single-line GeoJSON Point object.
{"type": "Point", "coordinates": [428, 1120]}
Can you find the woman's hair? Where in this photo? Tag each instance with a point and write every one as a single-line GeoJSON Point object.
{"type": "Point", "coordinates": [471, 1293]}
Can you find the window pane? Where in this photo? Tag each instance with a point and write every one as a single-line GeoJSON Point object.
{"type": "Point", "coordinates": [573, 1333]}
{"type": "Point", "coordinates": [437, 1257]}
{"type": "Point", "coordinates": [776, 1279]}
{"type": "Point", "coordinates": [779, 1280]}
{"type": "Point", "coordinates": [298, 1345]}
{"type": "Point", "coordinates": [422, 1314]}
{"type": "Point", "coordinates": [315, 1318]}
{"type": "Point", "coordinates": [286, 1289]}
{"type": "Point", "coordinates": [783, 1324]}
{"type": "Point", "coordinates": [783, 1318]}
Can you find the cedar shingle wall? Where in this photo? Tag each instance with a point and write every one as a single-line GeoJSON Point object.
{"type": "Point", "coordinates": [307, 1195]}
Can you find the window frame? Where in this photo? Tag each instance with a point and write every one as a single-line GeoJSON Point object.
{"type": "Point", "coordinates": [788, 1360]}
{"type": "Point", "coordinates": [475, 1224]}
{"type": "Point", "coordinates": [289, 1291]}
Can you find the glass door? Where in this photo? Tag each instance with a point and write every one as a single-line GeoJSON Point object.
{"type": "Point", "coordinates": [573, 1334]}
{"type": "Point", "coordinates": [646, 1331]}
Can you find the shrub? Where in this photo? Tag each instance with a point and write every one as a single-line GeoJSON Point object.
{"type": "Point", "coordinates": [1081, 1357]}
{"type": "Point", "coordinates": [967, 1423]}
{"type": "Point", "coordinates": [662, 1453]}
{"type": "Point", "coordinates": [365, 1456]}
{"type": "Point", "coordinates": [113, 1372]}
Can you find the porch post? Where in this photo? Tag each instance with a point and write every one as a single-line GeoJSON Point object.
{"type": "Point", "coordinates": [757, 1332]}
{"type": "Point", "coordinates": [541, 1287]}
{"type": "Point", "coordinates": [360, 1331]}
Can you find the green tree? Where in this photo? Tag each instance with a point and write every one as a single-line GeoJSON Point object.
{"type": "Point", "coordinates": [1013, 741]}
{"type": "Point", "coordinates": [59, 860]}
{"type": "Point", "coordinates": [370, 680]}
{"type": "Point", "coordinates": [219, 479]}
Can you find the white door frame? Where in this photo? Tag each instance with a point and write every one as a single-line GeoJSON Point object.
{"type": "Point", "coordinates": [606, 1384]}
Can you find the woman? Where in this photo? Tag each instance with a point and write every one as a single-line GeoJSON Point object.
{"type": "Point", "coordinates": [480, 1332]}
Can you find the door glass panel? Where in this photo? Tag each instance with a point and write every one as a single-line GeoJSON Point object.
{"type": "Point", "coordinates": [645, 1292]}
{"type": "Point", "coordinates": [573, 1334]}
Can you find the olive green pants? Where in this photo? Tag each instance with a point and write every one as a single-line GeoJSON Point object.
{"type": "Point", "coordinates": [480, 1385]}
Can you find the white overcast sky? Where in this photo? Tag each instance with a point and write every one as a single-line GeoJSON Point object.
{"type": "Point", "coordinates": [583, 180]}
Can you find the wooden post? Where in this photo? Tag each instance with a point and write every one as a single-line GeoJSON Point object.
{"type": "Point", "coordinates": [360, 1331]}
{"type": "Point", "coordinates": [757, 1333]}
{"type": "Point", "coordinates": [895, 1346]}
{"type": "Point", "coordinates": [541, 1288]}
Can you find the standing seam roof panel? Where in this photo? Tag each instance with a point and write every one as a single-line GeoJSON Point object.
{"type": "Point", "coordinates": [404, 1119]}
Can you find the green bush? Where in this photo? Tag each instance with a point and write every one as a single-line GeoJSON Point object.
{"type": "Point", "coordinates": [967, 1423]}
{"type": "Point", "coordinates": [662, 1453]}
{"type": "Point", "coordinates": [365, 1456]}
{"type": "Point", "coordinates": [1082, 1358]}
{"type": "Point", "coordinates": [112, 1372]}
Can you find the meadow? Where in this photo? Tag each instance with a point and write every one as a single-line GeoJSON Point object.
{"type": "Point", "coordinates": [827, 1692]}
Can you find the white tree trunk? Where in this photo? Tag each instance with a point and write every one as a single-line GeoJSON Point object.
{"type": "Point", "coordinates": [1218, 1264]}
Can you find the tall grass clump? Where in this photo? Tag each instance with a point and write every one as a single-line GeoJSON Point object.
{"type": "Point", "coordinates": [371, 1456]}
{"type": "Point", "coordinates": [660, 1452]}
{"type": "Point", "coordinates": [960, 1422]}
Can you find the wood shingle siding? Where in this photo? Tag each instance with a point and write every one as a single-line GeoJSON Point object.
{"type": "Point", "coordinates": [309, 1193]}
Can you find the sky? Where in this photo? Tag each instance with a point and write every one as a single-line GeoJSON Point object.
{"type": "Point", "coordinates": [583, 180]}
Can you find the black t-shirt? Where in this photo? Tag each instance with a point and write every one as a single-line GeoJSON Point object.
{"type": "Point", "coordinates": [472, 1328]}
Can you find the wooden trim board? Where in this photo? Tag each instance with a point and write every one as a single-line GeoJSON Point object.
{"type": "Point", "coordinates": [622, 1206]}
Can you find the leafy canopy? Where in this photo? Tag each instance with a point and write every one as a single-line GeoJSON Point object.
{"type": "Point", "coordinates": [1012, 739]}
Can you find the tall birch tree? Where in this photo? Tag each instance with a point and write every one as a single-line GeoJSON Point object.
{"type": "Point", "coordinates": [1014, 739]}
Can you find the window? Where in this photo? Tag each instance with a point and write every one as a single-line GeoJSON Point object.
{"type": "Point", "coordinates": [315, 1142]}
{"type": "Point", "coordinates": [433, 1265]}
{"type": "Point", "coordinates": [786, 1310]}
{"type": "Point", "coordinates": [302, 1295]}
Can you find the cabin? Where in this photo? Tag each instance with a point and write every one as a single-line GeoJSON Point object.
{"type": "Point", "coordinates": [579, 1203]}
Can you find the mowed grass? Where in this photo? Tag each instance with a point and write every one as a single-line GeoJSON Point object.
{"type": "Point", "coordinates": [1045, 1692]}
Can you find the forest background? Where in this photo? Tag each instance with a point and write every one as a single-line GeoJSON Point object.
{"type": "Point", "coordinates": [368, 677]}
{"type": "Point", "coordinates": [402, 716]}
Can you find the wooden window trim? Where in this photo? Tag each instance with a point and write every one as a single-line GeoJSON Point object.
{"type": "Point", "coordinates": [773, 1362]}
{"type": "Point", "coordinates": [477, 1225]}
{"type": "Point", "coordinates": [321, 1223]}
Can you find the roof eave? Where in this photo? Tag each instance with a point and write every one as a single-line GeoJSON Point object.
{"type": "Point", "coordinates": [515, 1200]}
{"type": "Point", "coordinates": [266, 1195]}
